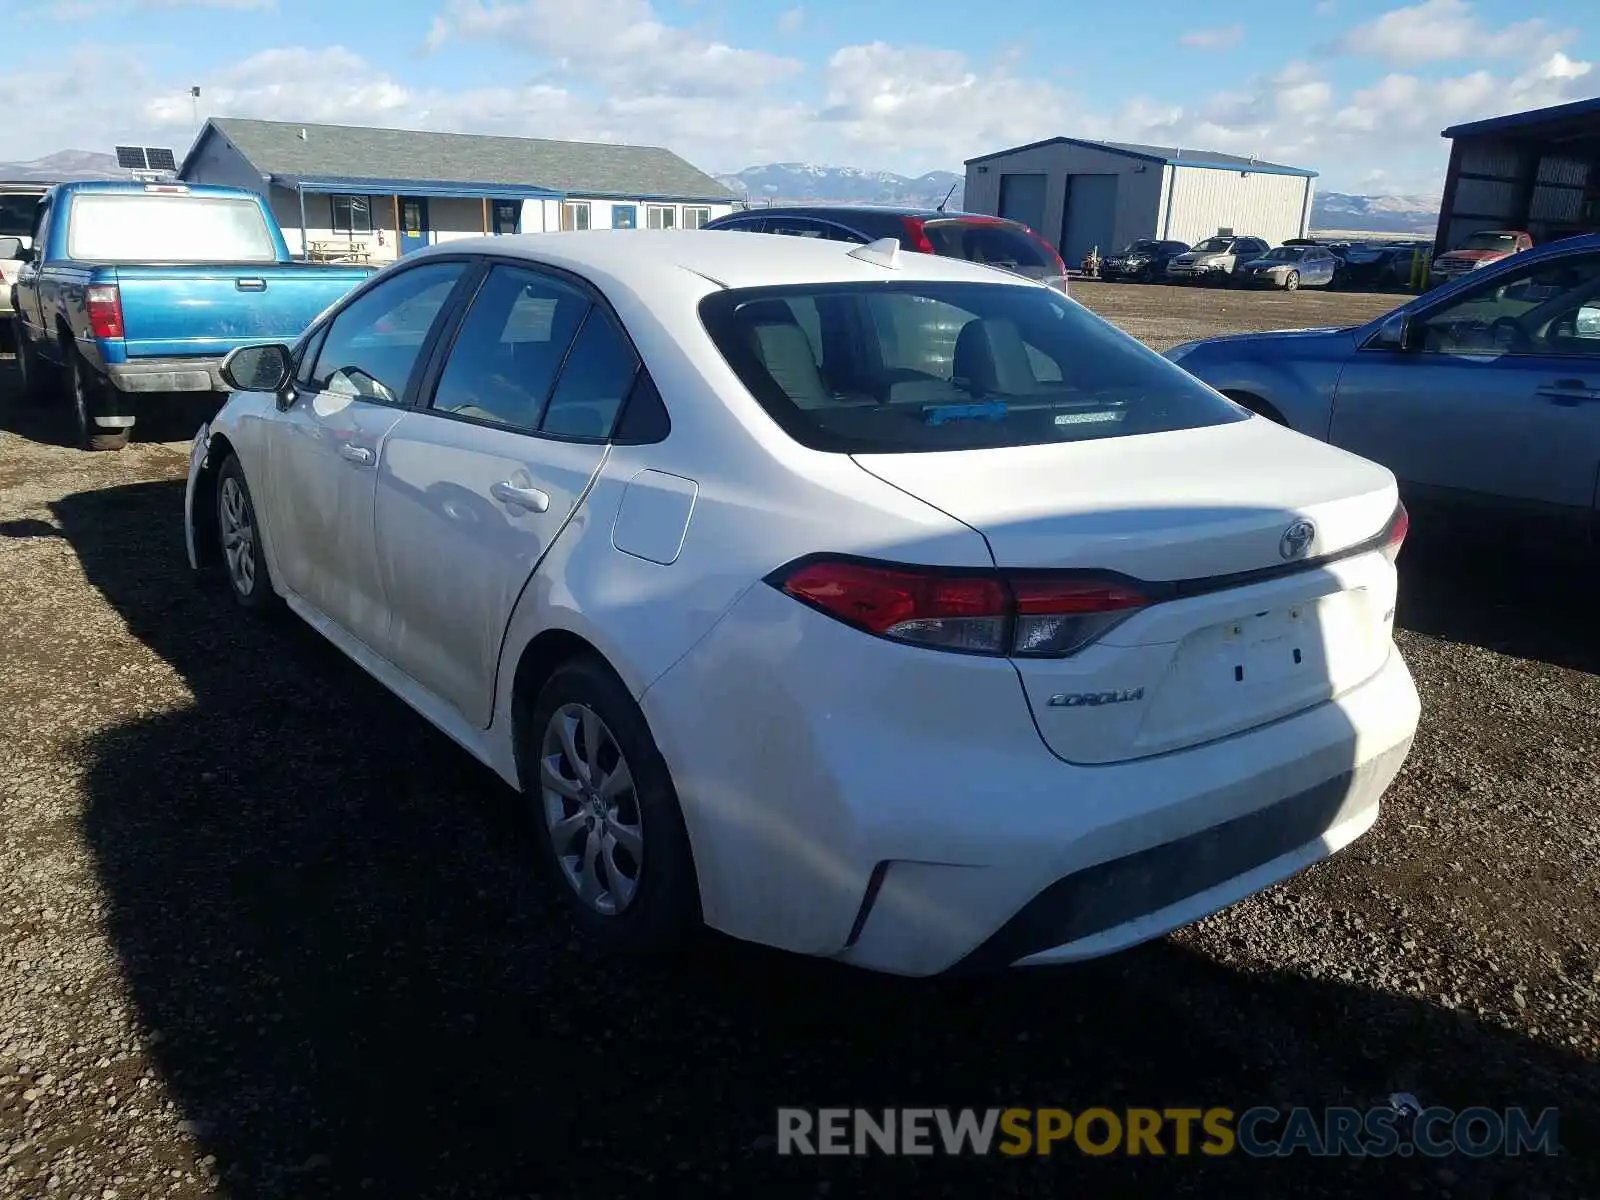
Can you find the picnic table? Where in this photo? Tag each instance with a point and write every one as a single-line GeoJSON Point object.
{"type": "Point", "coordinates": [338, 252]}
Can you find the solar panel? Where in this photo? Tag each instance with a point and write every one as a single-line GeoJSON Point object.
{"type": "Point", "coordinates": [131, 158]}
{"type": "Point", "coordinates": [160, 158]}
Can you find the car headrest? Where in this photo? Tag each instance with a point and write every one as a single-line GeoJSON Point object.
{"type": "Point", "coordinates": [991, 358]}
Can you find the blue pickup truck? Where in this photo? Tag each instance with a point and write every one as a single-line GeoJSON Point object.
{"type": "Point", "coordinates": [131, 291]}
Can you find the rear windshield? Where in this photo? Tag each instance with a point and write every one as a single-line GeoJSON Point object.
{"type": "Point", "coordinates": [1003, 246]}
{"type": "Point", "coordinates": [16, 215]}
{"type": "Point", "coordinates": [905, 367]}
{"type": "Point", "coordinates": [132, 227]}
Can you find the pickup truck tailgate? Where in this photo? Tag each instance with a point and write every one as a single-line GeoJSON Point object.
{"type": "Point", "coordinates": [184, 311]}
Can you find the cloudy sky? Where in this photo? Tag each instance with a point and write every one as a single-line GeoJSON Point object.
{"type": "Point", "coordinates": [1357, 89]}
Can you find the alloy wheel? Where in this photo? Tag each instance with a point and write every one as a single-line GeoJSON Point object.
{"type": "Point", "coordinates": [238, 534]}
{"type": "Point", "coordinates": [591, 808]}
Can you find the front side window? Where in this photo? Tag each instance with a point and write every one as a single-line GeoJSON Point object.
{"type": "Point", "coordinates": [905, 367]}
{"type": "Point", "coordinates": [113, 227]}
{"type": "Point", "coordinates": [510, 347]}
{"type": "Point", "coordinates": [661, 216]}
{"type": "Point", "coordinates": [694, 216]}
{"type": "Point", "coordinates": [1551, 308]}
{"type": "Point", "coordinates": [373, 344]}
{"type": "Point", "coordinates": [352, 214]}
{"type": "Point", "coordinates": [575, 214]}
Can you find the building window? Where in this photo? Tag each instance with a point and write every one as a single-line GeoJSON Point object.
{"type": "Point", "coordinates": [661, 216]}
{"type": "Point", "coordinates": [624, 216]}
{"type": "Point", "coordinates": [695, 216]}
{"type": "Point", "coordinates": [575, 215]}
{"type": "Point", "coordinates": [507, 216]}
{"type": "Point", "coordinates": [352, 214]}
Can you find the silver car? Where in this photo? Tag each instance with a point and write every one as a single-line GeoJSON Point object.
{"type": "Point", "coordinates": [1215, 258]}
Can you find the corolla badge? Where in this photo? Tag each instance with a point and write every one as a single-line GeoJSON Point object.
{"type": "Point", "coordinates": [1297, 539]}
{"type": "Point", "coordinates": [1095, 699]}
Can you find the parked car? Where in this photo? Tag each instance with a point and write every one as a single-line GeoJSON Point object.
{"type": "Point", "coordinates": [750, 580]}
{"type": "Point", "coordinates": [1289, 268]}
{"type": "Point", "coordinates": [1145, 260]}
{"type": "Point", "coordinates": [17, 204]}
{"type": "Point", "coordinates": [132, 290]}
{"type": "Point", "coordinates": [1483, 397]}
{"type": "Point", "coordinates": [1214, 259]}
{"type": "Point", "coordinates": [993, 241]}
{"type": "Point", "coordinates": [1381, 264]}
{"type": "Point", "coordinates": [1481, 250]}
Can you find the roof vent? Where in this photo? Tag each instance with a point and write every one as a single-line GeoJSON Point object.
{"type": "Point", "coordinates": [885, 252]}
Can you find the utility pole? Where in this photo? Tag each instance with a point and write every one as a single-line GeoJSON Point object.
{"type": "Point", "coordinates": [194, 100]}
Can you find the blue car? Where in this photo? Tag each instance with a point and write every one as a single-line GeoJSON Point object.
{"type": "Point", "coordinates": [1289, 268]}
{"type": "Point", "coordinates": [1483, 396]}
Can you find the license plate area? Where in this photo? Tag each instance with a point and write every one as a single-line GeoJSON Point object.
{"type": "Point", "coordinates": [1271, 648]}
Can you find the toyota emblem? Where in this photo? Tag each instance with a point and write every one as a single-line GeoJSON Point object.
{"type": "Point", "coordinates": [1297, 539]}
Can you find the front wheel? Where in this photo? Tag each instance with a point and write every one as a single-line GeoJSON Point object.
{"type": "Point", "coordinates": [85, 385]}
{"type": "Point", "coordinates": [1291, 281]}
{"type": "Point", "coordinates": [607, 814]}
{"type": "Point", "coordinates": [239, 539]}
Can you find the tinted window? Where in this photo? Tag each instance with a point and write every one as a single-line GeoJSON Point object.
{"type": "Point", "coordinates": [1003, 246]}
{"type": "Point", "coordinates": [1552, 308]}
{"type": "Point", "coordinates": [1288, 254]}
{"type": "Point", "coordinates": [1143, 246]}
{"type": "Point", "coordinates": [373, 343]}
{"type": "Point", "coordinates": [595, 379]}
{"type": "Point", "coordinates": [931, 366]}
{"type": "Point", "coordinates": [796, 227]}
{"type": "Point", "coordinates": [1215, 245]}
{"type": "Point", "coordinates": [509, 348]}
{"type": "Point", "coordinates": [162, 228]}
{"type": "Point", "coordinates": [16, 215]}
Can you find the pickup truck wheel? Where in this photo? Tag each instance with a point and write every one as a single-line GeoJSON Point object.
{"type": "Point", "coordinates": [35, 385]}
{"type": "Point", "coordinates": [86, 385]}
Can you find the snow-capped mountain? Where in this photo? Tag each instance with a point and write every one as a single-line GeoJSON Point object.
{"type": "Point", "coordinates": [810, 183]}
{"type": "Point", "coordinates": [64, 165]}
{"type": "Point", "coordinates": [1376, 214]}
{"type": "Point", "coordinates": [796, 182]}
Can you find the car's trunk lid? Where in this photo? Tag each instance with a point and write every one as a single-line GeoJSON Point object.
{"type": "Point", "coordinates": [1247, 626]}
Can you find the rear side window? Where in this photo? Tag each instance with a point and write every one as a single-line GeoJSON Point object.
{"type": "Point", "coordinates": [1003, 246]}
{"type": "Point", "coordinates": [139, 227]}
{"type": "Point", "coordinates": [16, 214]}
{"type": "Point", "coordinates": [907, 367]}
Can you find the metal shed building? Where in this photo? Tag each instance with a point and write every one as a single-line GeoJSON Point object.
{"type": "Point", "coordinates": [1085, 194]}
{"type": "Point", "coordinates": [1538, 171]}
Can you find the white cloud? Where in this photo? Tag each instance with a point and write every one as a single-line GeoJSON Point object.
{"type": "Point", "coordinates": [791, 20]}
{"type": "Point", "coordinates": [1214, 39]}
{"type": "Point", "coordinates": [620, 43]}
{"type": "Point", "coordinates": [1402, 104]}
{"type": "Point", "coordinates": [1442, 30]}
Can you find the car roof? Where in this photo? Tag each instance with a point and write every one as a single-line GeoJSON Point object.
{"type": "Point", "coordinates": [639, 258]}
{"type": "Point", "coordinates": [866, 210]}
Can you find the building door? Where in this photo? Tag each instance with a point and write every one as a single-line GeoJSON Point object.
{"type": "Point", "coordinates": [413, 224]}
{"type": "Point", "coordinates": [1022, 199]}
{"type": "Point", "coordinates": [1089, 216]}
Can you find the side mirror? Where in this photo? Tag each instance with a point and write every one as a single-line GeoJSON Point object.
{"type": "Point", "coordinates": [1394, 334]}
{"type": "Point", "coordinates": [258, 368]}
{"type": "Point", "coordinates": [11, 248]}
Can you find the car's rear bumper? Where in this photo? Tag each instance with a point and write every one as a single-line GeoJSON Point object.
{"type": "Point", "coordinates": [895, 807]}
{"type": "Point", "coordinates": [166, 375]}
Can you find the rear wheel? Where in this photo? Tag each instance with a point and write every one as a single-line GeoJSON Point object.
{"type": "Point", "coordinates": [607, 815]}
{"type": "Point", "coordinates": [1291, 281]}
{"type": "Point", "coordinates": [85, 384]}
{"type": "Point", "coordinates": [32, 369]}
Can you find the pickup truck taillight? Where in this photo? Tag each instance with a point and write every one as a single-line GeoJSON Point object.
{"type": "Point", "coordinates": [104, 304]}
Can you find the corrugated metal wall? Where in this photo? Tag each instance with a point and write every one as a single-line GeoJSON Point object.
{"type": "Point", "coordinates": [1205, 199]}
{"type": "Point", "coordinates": [1275, 207]}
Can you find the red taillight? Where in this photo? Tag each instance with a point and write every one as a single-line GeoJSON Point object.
{"type": "Point", "coordinates": [1395, 535]}
{"type": "Point", "coordinates": [103, 303]}
{"type": "Point", "coordinates": [916, 230]}
{"type": "Point", "coordinates": [1027, 614]}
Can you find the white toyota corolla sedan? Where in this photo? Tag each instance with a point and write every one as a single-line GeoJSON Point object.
{"type": "Point", "coordinates": [868, 604]}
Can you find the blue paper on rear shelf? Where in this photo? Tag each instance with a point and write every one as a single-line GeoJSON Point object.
{"type": "Point", "coordinates": [939, 414]}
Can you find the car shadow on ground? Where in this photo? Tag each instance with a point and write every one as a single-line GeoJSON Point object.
{"type": "Point", "coordinates": [323, 909]}
{"type": "Point", "coordinates": [48, 420]}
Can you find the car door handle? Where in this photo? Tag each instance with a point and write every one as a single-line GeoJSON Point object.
{"type": "Point", "coordinates": [1568, 391]}
{"type": "Point", "coordinates": [359, 455]}
{"type": "Point", "coordinates": [530, 498]}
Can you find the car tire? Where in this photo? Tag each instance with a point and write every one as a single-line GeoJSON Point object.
{"type": "Point", "coordinates": [1291, 281]}
{"type": "Point", "coordinates": [83, 386]}
{"type": "Point", "coordinates": [621, 860]}
{"type": "Point", "coordinates": [244, 561]}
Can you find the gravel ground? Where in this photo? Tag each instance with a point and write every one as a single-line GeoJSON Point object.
{"type": "Point", "coordinates": [263, 932]}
